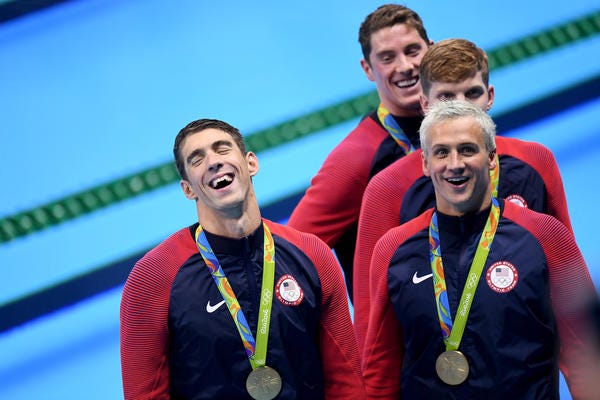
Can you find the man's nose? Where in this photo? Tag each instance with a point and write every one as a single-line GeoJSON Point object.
{"type": "Point", "coordinates": [214, 161]}
{"type": "Point", "coordinates": [455, 161]}
{"type": "Point", "coordinates": [404, 64]}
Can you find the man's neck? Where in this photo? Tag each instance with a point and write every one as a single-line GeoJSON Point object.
{"type": "Point", "coordinates": [237, 225]}
{"type": "Point", "coordinates": [483, 202]}
{"type": "Point", "coordinates": [404, 112]}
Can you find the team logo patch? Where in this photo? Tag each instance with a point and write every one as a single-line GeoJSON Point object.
{"type": "Point", "coordinates": [518, 200]}
{"type": "Point", "coordinates": [288, 291]}
{"type": "Point", "coordinates": [502, 277]}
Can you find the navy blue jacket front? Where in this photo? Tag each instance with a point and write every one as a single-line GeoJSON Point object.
{"type": "Point", "coordinates": [178, 338]}
{"type": "Point", "coordinates": [532, 274]}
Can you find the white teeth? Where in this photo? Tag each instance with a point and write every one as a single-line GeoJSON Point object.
{"type": "Point", "coordinates": [220, 182]}
{"type": "Point", "coordinates": [407, 83]}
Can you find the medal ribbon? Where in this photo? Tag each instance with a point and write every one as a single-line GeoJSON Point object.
{"type": "Point", "coordinates": [390, 125]}
{"type": "Point", "coordinates": [452, 331]}
{"type": "Point", "coordinates": [256, 350]}
{"type": "Point", "coordinates": [495, 177]}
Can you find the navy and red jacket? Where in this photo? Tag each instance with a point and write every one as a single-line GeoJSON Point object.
{"type": "Point", "coordinates": [526, 317]}
{"type": "Point", "coordinates": [529, 175]}
{"type": "Point", "coordinates": [331, 205]}
{"type": "Point", "coordinates": [179, 341]}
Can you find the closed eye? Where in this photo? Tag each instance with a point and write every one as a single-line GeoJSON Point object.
{"type": "Point", "coordinates": [195, 158]}
{"type": "Point", "coordinates": [386, 57]}
{"type": "Point", "coordinates": [413, 50]}
{"type": "Point", "coordinates": [223, 150]}
{"type": "Point", "coordinates": [222, 146]}
{"type": "Point", "coordinates": [197, 161]}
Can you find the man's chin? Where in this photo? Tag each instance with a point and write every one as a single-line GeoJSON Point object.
{"type": "Point", "coordinates": [408, 110]}
{"type": "Point", "coordinates": [411, 104]}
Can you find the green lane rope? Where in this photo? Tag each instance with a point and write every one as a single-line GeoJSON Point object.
{"type": "Point", "coordinates": [87, 201]}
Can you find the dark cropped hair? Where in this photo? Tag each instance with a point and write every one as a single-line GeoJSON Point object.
{"type": "Point", "coordinates": [386, 16]}
{"type": "Point", "coordinates": [199, 126]}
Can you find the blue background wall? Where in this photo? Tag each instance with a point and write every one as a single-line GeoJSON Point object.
{"type": "Point", "coordinates": [91, 91]}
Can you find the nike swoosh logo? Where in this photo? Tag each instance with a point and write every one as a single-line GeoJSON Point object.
{"type": "Point", "coordinates": [419, 279]}
{"type": "Point", "coordinates": [211, 309]}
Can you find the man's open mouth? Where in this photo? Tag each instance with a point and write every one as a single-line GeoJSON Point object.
{"type": "Point", "coordinates": [221, 182]}
{"type": "Point", "coordinates": [457, 181]}
{"type": "Point", "coordinates": [407, 82]}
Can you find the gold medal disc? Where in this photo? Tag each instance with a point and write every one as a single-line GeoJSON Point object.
{"type": "Point", "coordinates": [263, 383]}
{"type": "Point", "coordinates": [452, 367]}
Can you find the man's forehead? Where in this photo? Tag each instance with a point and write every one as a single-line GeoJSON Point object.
{"type": "Point", "coordinates": [400, 32]}
{"type": "Point", "coordinates": [207, 137]}
{"type": "Point", "coordinates": [456, 130]}
{"type": "Point", "coordinates": [472, 81]}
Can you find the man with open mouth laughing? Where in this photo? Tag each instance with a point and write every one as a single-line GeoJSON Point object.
{"type": "Point", "coordinates": [235, 306]}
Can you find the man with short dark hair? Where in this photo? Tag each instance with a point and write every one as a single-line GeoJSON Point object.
{"type": "Point", "coordinates": [393, 41]}
{"type": "Point", "coordinates": [235, 306]}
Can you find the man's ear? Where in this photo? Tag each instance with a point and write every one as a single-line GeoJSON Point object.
{"type": "Point", "coordinates": [187, 190]}
{"type": "Point", "coordinates": [425, 165]}
{"type": "Point", "coordinates": [252, 161]}
{"type": "Point", "coordinates": [492, 159]}
{"type": "Point", "coordinates": [424, 103]}
{"type": "Point", "coordinates": [368, 70]}
{"type": "Point", "coordinates": [491, 98]}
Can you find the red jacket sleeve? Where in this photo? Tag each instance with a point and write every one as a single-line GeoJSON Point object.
{"type": "Point", "coordinates": [331, 204]}
{"type": "Point", "coordinates": [144, 330]}
{"type": "Point", "coordinates": [339, 353]}
{"type": "Point", "coordinates": [380, 212]}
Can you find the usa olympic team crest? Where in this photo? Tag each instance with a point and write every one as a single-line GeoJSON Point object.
{"type": "Point", "coordinates": [502, 277]}
{"type": "Point", "coordinates": [288, 291]}
{"type": "Point", "coordinates": [518, 200]}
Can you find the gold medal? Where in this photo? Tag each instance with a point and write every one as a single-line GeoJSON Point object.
{"type": "Point", "coordinates": [452, 367]}
{"type": "Point", "coordinates": [263, 383]}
